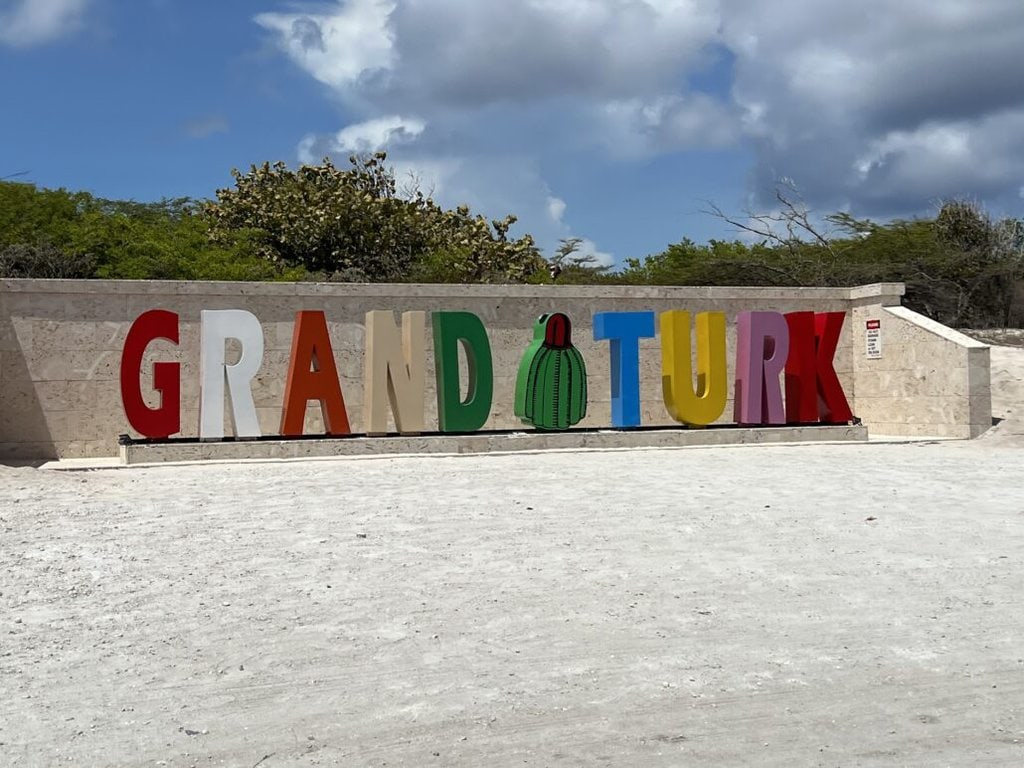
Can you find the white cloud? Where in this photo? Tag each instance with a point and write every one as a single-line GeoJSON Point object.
{"type": "Point", "coordinates": [585, 247]}
{"type": "Point", "coordinates": [370, 136]}
{"type": "Point", "coordinates": [635, 127]}
{"type": "Point", "coordinates": [874, 107]}
{"type": "Point", "coordinates": [488, 75]}
{"type": "Point", "coordinates": [33, 22]}
{"type": "Point", "coordinates": [468, 53]}
{"type": "Point", "coordinates": [556, 209]}
{"type": "Point", "coordinates": [942, 144]}
{"type": "Point", "coordinates": [434, 176]}
{"type": "Point", "coordinates": [476, 52]}
{"type": "Point", "coordinates": [600, 258]}
{"type": "Point", "coordinates": [937, 160]}
{"type": "Point", "coordinates": [379, 133]}
{"type": "Point", "coordinates": [336, 48]}
{"type": "Point", "coordinates": [880, 106]}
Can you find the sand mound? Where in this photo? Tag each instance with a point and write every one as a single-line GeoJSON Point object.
{"type": "Point", "coordinates": [1007, 393]}
{"type": "Point", "coordinates": [1007, 382]}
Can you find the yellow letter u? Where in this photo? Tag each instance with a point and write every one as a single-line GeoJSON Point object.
{"type": "Point", "coordinates": [703, 405]}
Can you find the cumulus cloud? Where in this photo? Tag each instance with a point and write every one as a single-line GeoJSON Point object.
{"type": "Point", "coordinates": [359, 138]}
{"type": "Point", "coordinates": [634, 127]}
{"type": "Point", "coordinates": [588, 248]}
{"type": "Point", "coordinates": [26, 23]}
{"type": "Point", "coordinates": [878, 106]}
{"type": "Point", "coordinates": [585, 248]}
{"type": "Point", "coordinates": [476, 52]}
{"type": "Point", "coordinates": [938, 160]}
{"type": "Point", "coordinates": [415, 169]}
{"type": "Point", "coordinates": [469, 54]}
{"type": "Point", "coordinates": [449, 58]}
{"type": "Point", "coordinates": [875, 107]}
{"type": "Point", "coordinates": [340, 47]}
{"type": "Point", "coordinates": [488, 75]}
{"type": "Point", "coordinates": [556, 209]}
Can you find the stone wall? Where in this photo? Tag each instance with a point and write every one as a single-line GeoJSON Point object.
{"type": "Point", "coordinates": [61, 341]}
{"type": "Point", "coordinates": [929, 381]}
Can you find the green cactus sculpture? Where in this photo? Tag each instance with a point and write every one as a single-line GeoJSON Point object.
{"type": "Point", "coordinates": [551, 388]}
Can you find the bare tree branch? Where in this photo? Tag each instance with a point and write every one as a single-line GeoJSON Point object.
{"type": "Point", "coordinates": [793, 215]}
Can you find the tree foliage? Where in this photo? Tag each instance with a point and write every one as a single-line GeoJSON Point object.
{"type": "Point", "coordinates": [569, 265]}
{"type": "Point", "coordinates": [961, 268]}
{"type": "Point", "coordinates": [353, 224]}
{"type": "Point", "coordinates": [56, 233]}
{"type": "Point", "coordinates": [44, 260]}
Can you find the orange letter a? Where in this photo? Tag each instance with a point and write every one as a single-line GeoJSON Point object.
{"type": "Point", "coordinates": [312, 375]}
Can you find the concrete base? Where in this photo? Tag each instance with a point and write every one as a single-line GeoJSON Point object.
{"type": "Point", "coordinates": [482, 442]}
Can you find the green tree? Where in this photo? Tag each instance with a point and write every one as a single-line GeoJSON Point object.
{"type": "Point", "coordinates": [43, 260]}
{"type": "Point", "coordinates": [60, 234]}
{"type": "Point", "coordinates": [569, 266]}
{"type": "Point", "coordinates": [962, 268]}
{"type": "Point", "coordinates": [167, 240]}
{"type": "Point", "coordinates": [719, 262]}
{"type": "Point", "coordinates": [353, 224]}
{"type": "Point", "coordinates": [30, 216]}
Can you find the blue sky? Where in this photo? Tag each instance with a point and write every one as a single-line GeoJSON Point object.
{"type": "Point", "coordinates": [610, 120]}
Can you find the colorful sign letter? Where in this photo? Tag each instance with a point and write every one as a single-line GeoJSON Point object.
{"type": "Point", "coordinates": [762, 346]}
{"type": "Point", "coordinates": [801, 370]}
{"type": "Point", "coordinates": [312, 375]}
{"type": "Point", "coordinates": [395, 371]}
{"type": "Point", "coordinates": [813, 391]}
{"type": "Point", "coordinates": [702, 406]}
{"type": "Point", "coordinates": [624, 330]}
{"type": "Point", "coordinates": [551, 388]}
{"type": "Point", "coordinates": [452, 330]}
{"type": "Point", "coordinates": [151, 422]}
{"type": "Point", "coordinates": [216, 327]}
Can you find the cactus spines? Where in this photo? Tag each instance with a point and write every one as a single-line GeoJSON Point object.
{"type": "Point", "coordinates": [551, 388]}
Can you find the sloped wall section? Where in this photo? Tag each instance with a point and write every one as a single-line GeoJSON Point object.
{"type": "Point", "coordinates": [61, 341]}
{"type": "Point", "coordinates": [929, 380]}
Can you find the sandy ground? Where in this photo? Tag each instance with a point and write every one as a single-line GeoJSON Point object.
{"type": "Point", "coordinates": [1007, 376]}
{"type": "Point", "coordinates": [843, 605]}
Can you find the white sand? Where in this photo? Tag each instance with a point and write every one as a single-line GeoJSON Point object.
{"type": "Point", "coordinates": [783, 606]}
{"type": "Point", "coordinates": [1008, 394]}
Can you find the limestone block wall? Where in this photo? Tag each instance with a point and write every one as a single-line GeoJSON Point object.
{"type": "Point", "coordinates": [930, 380]}
{"type": "Point", "coordinates": [61, 341]}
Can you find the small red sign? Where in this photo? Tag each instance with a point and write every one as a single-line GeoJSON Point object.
{"type": "Point", "coordinates": [873, 325]}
